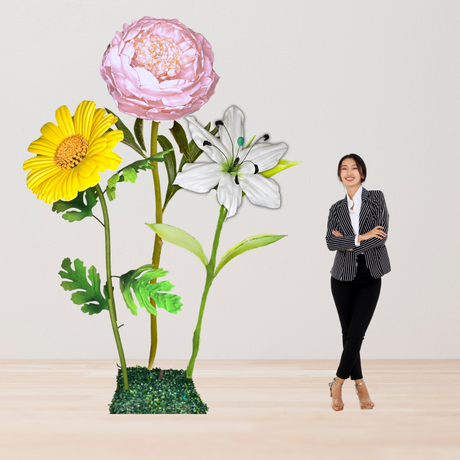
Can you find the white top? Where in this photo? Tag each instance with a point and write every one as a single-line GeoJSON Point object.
{"type": "Point", "coordinates": [354, 213]}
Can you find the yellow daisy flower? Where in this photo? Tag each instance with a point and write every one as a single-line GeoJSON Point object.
{"type": "Point", "coordinates": [71, 155]}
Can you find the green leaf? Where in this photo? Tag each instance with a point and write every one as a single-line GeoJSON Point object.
{"type": "Point", "coordinates": [181, 139]}
{"type": "Point", "coordinates": [180, 238]}
{"type": "Point", "coordinates": [140, 282]}
{"type": "Point", "coordinates": [88, 293]}
{"type": "Point", "coordinates": [84, 209]}
{"type": "Point", "coordinates": [253, 242]}
{"type": "Point", "coordinates": [281, 166]}
{"type": "Point", "coordinates": [138, 132]}
{"type": "Point", "coordinates": [128, 137]}
{"type": "Point", "coordinates": [171, 168]}
{"type": "Point", "coordinates": [127, 174]}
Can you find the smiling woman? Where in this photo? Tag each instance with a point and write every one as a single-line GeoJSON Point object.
{"type": "Point", "coordinates": [357, 230]}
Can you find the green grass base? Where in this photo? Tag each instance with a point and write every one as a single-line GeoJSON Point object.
{"type": "Point", "coordinates": [174, 394]}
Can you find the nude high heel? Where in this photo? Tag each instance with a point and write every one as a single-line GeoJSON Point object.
{"type": "Point", "coordinates": [336, 402]}
{"type": "Point", "coordinates": [365, 403]}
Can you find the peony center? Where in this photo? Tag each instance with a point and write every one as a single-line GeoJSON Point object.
{"type": "Point", "coordinates": [159, 55]}
{"type": "Point", "coordinates": [71, 151]}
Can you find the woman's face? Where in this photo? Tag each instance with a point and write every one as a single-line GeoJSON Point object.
{"type": "Point", "coordinates": [349, 172]}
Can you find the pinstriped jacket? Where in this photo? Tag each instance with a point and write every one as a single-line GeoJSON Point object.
{"type": "Point", "coordinates": [373, 212]}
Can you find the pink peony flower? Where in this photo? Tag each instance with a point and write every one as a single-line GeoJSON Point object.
{"type": "Point", "coordinates": [159, 69]}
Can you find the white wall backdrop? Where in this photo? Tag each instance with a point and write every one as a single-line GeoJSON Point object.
{"type": "Point", "coordinates": [380, 79]}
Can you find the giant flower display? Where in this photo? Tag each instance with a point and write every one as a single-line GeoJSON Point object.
{"type": "Point", "coordinates": [159, 69]}
{"type": "Point", "coordinates": [71, 155]}
{"type": "Point", "coordinates": [235, 168]}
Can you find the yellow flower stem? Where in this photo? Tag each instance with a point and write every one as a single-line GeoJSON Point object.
{"type": "Point", "coordinates": [111, 301]}
{"type": "Point", "coordinates": [158, 241]}
{"type": "Point", "coordinates": [209, 279]}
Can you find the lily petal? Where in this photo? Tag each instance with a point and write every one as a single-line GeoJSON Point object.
{"type": "Point", "coordinates": [217, 152]}
{"type": "Point", "coordinates": [261, 190]}
{"type": "Point", "coordinates": [265, 155]}
{"type": "Point", "coordinates": [199, 177]}
{"type": "Point", "coordinates": [229, 194]}
{"type": "Point", "coordinates": [234, 122]}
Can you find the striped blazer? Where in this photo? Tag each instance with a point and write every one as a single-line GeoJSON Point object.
{"type": "Point", "coordinates": [373, 212]}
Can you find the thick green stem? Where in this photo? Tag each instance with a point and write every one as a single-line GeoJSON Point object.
{"type": "Point", "coordinates": [158, 241]}
{"type": "Point", "coordinates": [111, 301]}
{"type": "Point", "coordinates": [209, 279]}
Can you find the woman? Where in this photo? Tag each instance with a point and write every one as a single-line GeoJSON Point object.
{"type": "Point", "coordinates": [357, 230]}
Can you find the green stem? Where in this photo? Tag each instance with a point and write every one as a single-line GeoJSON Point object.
{"type": "Point", "coordinates": [158, 241]}
{"type": "Point", "coordinates": [209, 279]}
{"type": "Point", "coordinates": [111, 301]}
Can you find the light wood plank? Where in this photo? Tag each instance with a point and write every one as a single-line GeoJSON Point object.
{"type": "Point", "coordinates": [258, 410]}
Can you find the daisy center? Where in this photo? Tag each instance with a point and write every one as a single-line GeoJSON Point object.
{"type": "Point", "coordinates": [159, 55]}
{"type": "Point", "coordinates": [71, 151]}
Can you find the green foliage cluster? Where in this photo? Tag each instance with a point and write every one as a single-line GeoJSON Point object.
{"type": "Point", "coordinates": [147, 394]}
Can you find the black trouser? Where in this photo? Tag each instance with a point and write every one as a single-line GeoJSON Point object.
{"type": "Point", "coordinates": [355, 301]}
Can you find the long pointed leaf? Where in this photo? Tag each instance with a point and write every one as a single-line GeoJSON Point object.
{"type": "Point", "coordinates": [138, 132]}
{"type": "Point", "coordinates": [253, 242]}
{"type": "Point", "coordinates": [180, 238]}
{"type": "Point", "coordinates": [281, 166]}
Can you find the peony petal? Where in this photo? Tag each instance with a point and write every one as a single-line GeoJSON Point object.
{"type": "Point", "coordinates": [229, 194]}
{"type": "Point", "coordinates": [265, 155]}
{"type": "Point", "coordinates": [234, 122]}
{"type": "Point", "coordinates": [260, 190]}
{"type": "Point", "coordinates": [199, 177]}
{"type": "Point", "coordinates": [65, 122]}
{"type": "Point", "coordinates": [52, 133]}
{"type": "Point", "coordinates": [217, 152]}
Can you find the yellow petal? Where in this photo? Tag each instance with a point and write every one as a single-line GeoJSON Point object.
{"type": "Point", "coordinates": [96, 147]}
{"type": "Point", "coordinates": [113, 137]}
{"type": "Point", "coordinates": [52, 133]}
{"type": "Point", "coordinates": [36, 178]}
{"type": "Point", "coordinates": [39, 161]}
{"type": "Point", "coordinates": [84, 118]}
{"type": "Point", "coordinates": [86, 167]}
{"type": "Point", "coordinates": [42, 147]}
{"type": "Point", "coordinates": [100, 128]}
{"type": "Point", "coordinates": [64, 120]}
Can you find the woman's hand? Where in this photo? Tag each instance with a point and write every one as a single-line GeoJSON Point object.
{"type": "Point", "coordinates": [337, 233]}
{"type": "Point", "coordinates": [374, 233]}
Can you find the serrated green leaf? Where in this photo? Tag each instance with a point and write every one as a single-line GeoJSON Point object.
{"type": "Point", "coordinates": [85, 209]}
{"type": "Point", "coordinates": [180, 238]}
{"type": "Point", "coordinates": [253, 242]}
{"type": "Point", "coordinates": [128, 137]}
{"type": "Point", "coordinates": [128, 173]}
{"type": "Point", "coordinates": [281, 166]}
{"type": "Point", "coordinates": [138, 132]}
{"type": "Point", "coordinates": [139, 281]}
{"type": "Point", "coordinates": [88, 293]}
{"type": "Point", "coordinates": [181, 139]}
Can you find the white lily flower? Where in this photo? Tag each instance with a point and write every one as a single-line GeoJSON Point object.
{"type": "Point", "coordinates": [235, 169]}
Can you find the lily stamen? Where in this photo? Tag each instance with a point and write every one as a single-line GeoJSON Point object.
{"type": "Point", "coordinates": [265, 137]}
{"type": "Point", "coordinates": [212, 145]}
{"type": "Point", "coordinates": [220, 123]}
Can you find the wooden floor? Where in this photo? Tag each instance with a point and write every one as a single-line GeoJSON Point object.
{"type": "Point", "coordinates": [258, 410]}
